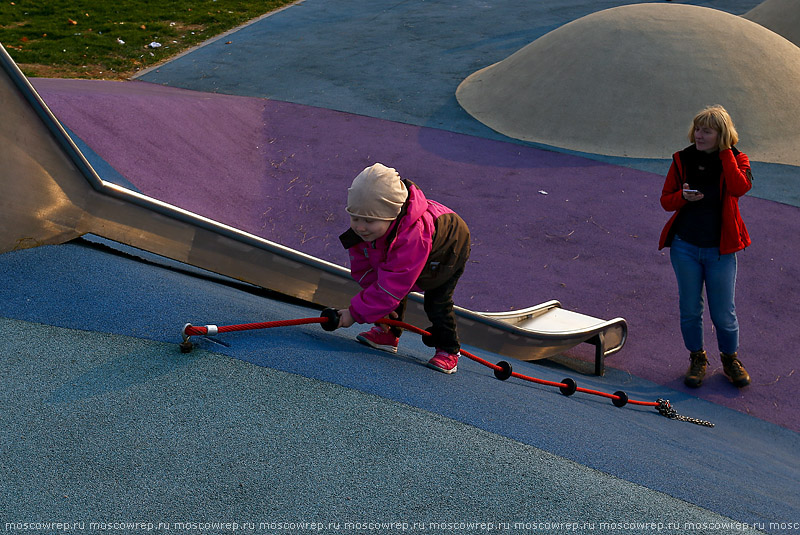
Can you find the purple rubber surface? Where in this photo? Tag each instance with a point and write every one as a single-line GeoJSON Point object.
{"type": "Point", "coordinates": [545, 225]}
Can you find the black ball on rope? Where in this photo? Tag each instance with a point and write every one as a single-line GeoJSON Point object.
{"type": "Point", "coordinates": [503, 371]}
{"type": "Point", "coordinates": [621, 400]}
{"type": "Point", "coordinates": [569, 388]}
{"type": "Point", "coordinates": [332, 316]}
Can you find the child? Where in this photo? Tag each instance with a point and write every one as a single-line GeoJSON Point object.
{"type": "Point", "coordinates": [399, 242]}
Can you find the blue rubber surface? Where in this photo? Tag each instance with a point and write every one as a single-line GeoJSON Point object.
{"type": "Point", "coordinates": [122, 430]}
{"type": "Point", "coordinates": [116, 364]}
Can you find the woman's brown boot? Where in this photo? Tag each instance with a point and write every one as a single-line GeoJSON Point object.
{"type": "Point", "coordinates": [733, 368]}
{"type": "Point", "coordinates": [697, 369]}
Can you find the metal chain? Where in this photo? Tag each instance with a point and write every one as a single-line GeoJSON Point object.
{"type": "Point", "coordinates": [665, 409]}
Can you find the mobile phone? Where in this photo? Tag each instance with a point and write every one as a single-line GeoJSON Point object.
{"type": "Point", "coordinates": [692, 191]}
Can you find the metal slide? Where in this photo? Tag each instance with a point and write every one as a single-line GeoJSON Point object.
{"type": "Point", "coordinates": [50, 194]}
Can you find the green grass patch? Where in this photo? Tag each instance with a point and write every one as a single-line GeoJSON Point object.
{"type": "Point", "coordinates": [114, 39]}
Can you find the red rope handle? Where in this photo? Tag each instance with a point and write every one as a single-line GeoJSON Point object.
{"type": "Point", "coordinates": [190, 330]}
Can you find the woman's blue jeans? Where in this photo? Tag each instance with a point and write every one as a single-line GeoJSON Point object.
{"type": "Point", "coordinates": [698, 266]}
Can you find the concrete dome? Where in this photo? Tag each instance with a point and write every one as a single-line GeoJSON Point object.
{"type": "Point", "coordinates": [780, 16]}
{"type": "Point", "coordinates": [627, 81]}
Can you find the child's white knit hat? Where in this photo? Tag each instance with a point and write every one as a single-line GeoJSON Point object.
{"type": "Point", "coordinates": [377, 192]}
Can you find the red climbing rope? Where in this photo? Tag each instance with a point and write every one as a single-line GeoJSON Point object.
{"type": "Point", "coordinates": [499, 368]}
{"type": "Point", "coordinates": [502, 370]}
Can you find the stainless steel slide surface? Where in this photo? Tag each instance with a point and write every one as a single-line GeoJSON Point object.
{"type": "Point", "coordinates": [51, 194]}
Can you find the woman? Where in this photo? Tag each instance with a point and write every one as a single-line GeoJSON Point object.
{"type": "Point", "coordinates": [703, 187]}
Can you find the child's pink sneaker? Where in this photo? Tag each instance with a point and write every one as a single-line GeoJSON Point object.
{"type": "Point", "coordinates": [444, 362]}
{"type": "Point", "coordinates": [379, 339]}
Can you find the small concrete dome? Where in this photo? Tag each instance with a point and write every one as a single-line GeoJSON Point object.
{"type": "Point", "coordinates": [780, 16]}
{"type": "Point", "coordinates": [627, 81]}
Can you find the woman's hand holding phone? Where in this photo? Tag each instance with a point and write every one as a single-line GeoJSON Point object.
{"type": "Point", "coordinates": [691, 195]}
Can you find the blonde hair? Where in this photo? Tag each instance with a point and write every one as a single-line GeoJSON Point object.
{"type": "Point", "coordinates": [716, 117]}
